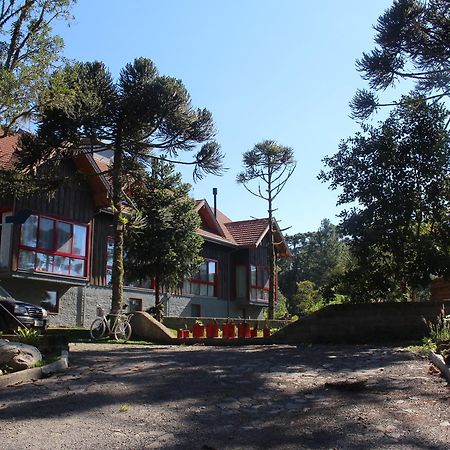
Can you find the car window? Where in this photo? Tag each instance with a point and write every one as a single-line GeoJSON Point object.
{"type": "Point", "coordinates": [4, 293]}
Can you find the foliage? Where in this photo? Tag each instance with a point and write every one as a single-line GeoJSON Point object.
{"type": "Point", "coordinates": [413, 43]}
{"type": "Point", "coordinates": [281, 310]}
{"type": "Point", "coordinates": [395, 177]}
{"type": "Point", "coordinates": [171, 247]}
{"type": "Point", "coordinates": [140, 117]}
{"type": "Point", "coordinates": [30, 336]}
{"type": "Point", "coordinates": [318, 256]}
{"type": "Point", "coordinates": [307, 298]}
{"type": "Point", "coordinates": [439, 330]}
{"type": "Point", "coordinates": [271, 165]}
{"type": "Point", "coordinates": [29, 53]}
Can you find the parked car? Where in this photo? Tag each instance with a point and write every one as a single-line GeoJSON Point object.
{"type": "Point", "coordinates": [14, 314]}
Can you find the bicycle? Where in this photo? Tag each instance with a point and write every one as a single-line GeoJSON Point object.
{"type": "Point", "coordinates": [120, 328]}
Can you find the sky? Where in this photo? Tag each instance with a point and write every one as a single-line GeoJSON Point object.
{"type": "Point", "coordinates": [266, 69]}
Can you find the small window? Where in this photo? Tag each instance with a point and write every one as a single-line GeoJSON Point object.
{"type": "Point", "coordinates": [50, 301]}
{"type": "Point", "coordinates": [135, 304]}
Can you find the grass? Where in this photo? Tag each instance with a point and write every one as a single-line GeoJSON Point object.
{"type": "Point", "coordinates": [425, 348]}
{"type": "Point", "coordinates": [124, 408]}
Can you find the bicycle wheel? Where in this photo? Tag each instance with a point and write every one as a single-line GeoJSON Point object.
{"type": "Point", "coordinates": [98, 329]}
{"type": "Point", "coordinates": [122, 331]}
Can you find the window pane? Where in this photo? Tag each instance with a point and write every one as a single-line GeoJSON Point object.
{"type": "Point", "coordinates": [266, 278]}
{"type": "Point", "coordinates": [50, 301]}
{"type": "Point", "coordinates": [44, 262]}
{"type": "Point", "coordinates": [76, 267]}
{"type": "Point", "coordinates": [254, 294]}
{"type": "Point", "coordinates": [108, 276]}
{"type": "Point", "coordinates": [253, 275]}
{"type": "Point", "coordinates": [28, 234]}
{"type": "Point", "coordinates": [211, 271]}
{"type": "Point", "coordinates": [186, 287]}
{"type": "Point", "coordinates": [79, 240]}
{"type": "Point", "coordinates": [204, 272]}
{"type": "Point", "coordinates": [260, 277]}
{"type": "Point", "coordinates": [64, 237]}
{"type": "Point", "coordinates": [46, 233]}
{"type": "Point", "coordinates": [241, 282]}
{"type": "Point", "coordinates": [203, 289]}
{"type": "Point", "coordinates": [211, 290]}
{"type": "Point", "coordinates": [195, 289]}
{"type": "Point", "coordinates": [26, 260]}
{"type": "Point", "coordinates": [109, 252]}
{"type": "Point", "coordinates": [61, 265]}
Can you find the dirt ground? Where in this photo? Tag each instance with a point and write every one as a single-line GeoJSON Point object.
{"type": "Point", "coordinates": [265, 397]}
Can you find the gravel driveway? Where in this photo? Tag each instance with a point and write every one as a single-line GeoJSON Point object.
{"type": "Point", "coordinates": [257, 397]}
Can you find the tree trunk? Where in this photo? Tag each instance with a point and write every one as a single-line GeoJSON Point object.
{"type": "Point", "coordinates": [271, 253]}
{"type": "Point", "coordinates": [117, 270]}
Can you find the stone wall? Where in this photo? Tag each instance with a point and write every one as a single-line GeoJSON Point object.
{"type": "Point", "coordinates": [363, 323]}
{"type": "Point", "coordinates": [78, 304]}
{"type": "Point", "coordinates": [180, 322]}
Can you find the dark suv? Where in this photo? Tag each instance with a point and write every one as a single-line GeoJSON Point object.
{"type": "Point", "coordinates": [14, 314]}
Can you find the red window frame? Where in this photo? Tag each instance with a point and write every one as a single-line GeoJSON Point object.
{"type": "Point", "coordinates": [257, 287]}
{"type": "Point", "coordinates": [196, 280]}
{"type": "Point", "coordinates": [53, 252]}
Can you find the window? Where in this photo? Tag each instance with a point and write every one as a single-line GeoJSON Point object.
{"type": "Point", "coordinates": [50, 301]}
{"type": "Point", "coordinates": [54, 246]}
{"type": "Point", "coordinates": [109, 259]}
{"type": "Point", "coordinates": [204, 282]}
{"type": "Point", "coordinates": [135, 304]}
{"type": "Point", "coordinates": [259, 283]}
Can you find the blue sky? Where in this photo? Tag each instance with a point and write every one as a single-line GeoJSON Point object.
{"type": "Point", "coordinates": [282, 70]}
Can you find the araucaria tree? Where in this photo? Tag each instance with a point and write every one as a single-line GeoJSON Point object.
{"type": "Point", "coordinates": [270, 165]}
{"type": "Point", "coordinates": [167, 247]}
{"type": "Point", "coordinates": [413, 43]}
{"type": "Point", "coordinates": [140, 117]}
{"type": "Point", "coordinates": [29, 54]}
{"type": "Point", "coordinates": [397, 177]}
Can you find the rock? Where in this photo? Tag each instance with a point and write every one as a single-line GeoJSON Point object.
{"type": "Point", "coordinates": [18, 356]}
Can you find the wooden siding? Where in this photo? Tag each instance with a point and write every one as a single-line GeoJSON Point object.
{"type": "Point", "coordinates": [439, 290]}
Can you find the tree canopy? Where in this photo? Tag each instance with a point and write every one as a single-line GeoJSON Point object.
{"type": "Point", "coordinates": [29, 54]}
{"type": "Point", "coordinates": [317, 256]}
{"type": "Point", "coordinates": [395, 179]}
{"type": "Point", "coordinates": [271, 165]}
{"type": "Point", "coordinates": [413, 43]}
{"type": "Point", "coordinates": [167, 247]}
{"type": "Point", "coordinates": [140, 117]}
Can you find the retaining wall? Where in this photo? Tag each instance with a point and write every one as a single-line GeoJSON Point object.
{"type": "Point", "coordinates": [363, 323]}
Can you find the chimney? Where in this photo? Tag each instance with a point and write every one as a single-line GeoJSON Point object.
{"type": "Point", "coordinates": [215, 201]}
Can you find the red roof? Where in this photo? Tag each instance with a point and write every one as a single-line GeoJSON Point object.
{"type": "Point", "coordinates": [8, 146]}
{"type": "Point", "coordinates": [248, 232]}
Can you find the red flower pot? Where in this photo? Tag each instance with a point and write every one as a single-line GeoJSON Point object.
{"type": "Point", "coordinates": [185, 334]}
{"type": "Point", "coordinates": [246, 330]}
{"type": "Point", "coordinates": [254, 332]}
{"type": "Point", "coordinates": [180, 333]}
{"type": "Point", "coordinates": [266, 332]}
{"type": "Point", "coordinates": [198, 331]}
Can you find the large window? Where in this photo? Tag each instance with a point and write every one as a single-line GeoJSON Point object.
{"type": "Point", "coordinates": [204, 282]}
{"type": "Point", "coordinates": [54, 246]}
{"type": "Point", "coordinates": [259, 283]}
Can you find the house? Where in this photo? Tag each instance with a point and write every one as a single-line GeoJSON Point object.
{"type": "Point", "coordinates": [61, 256]}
